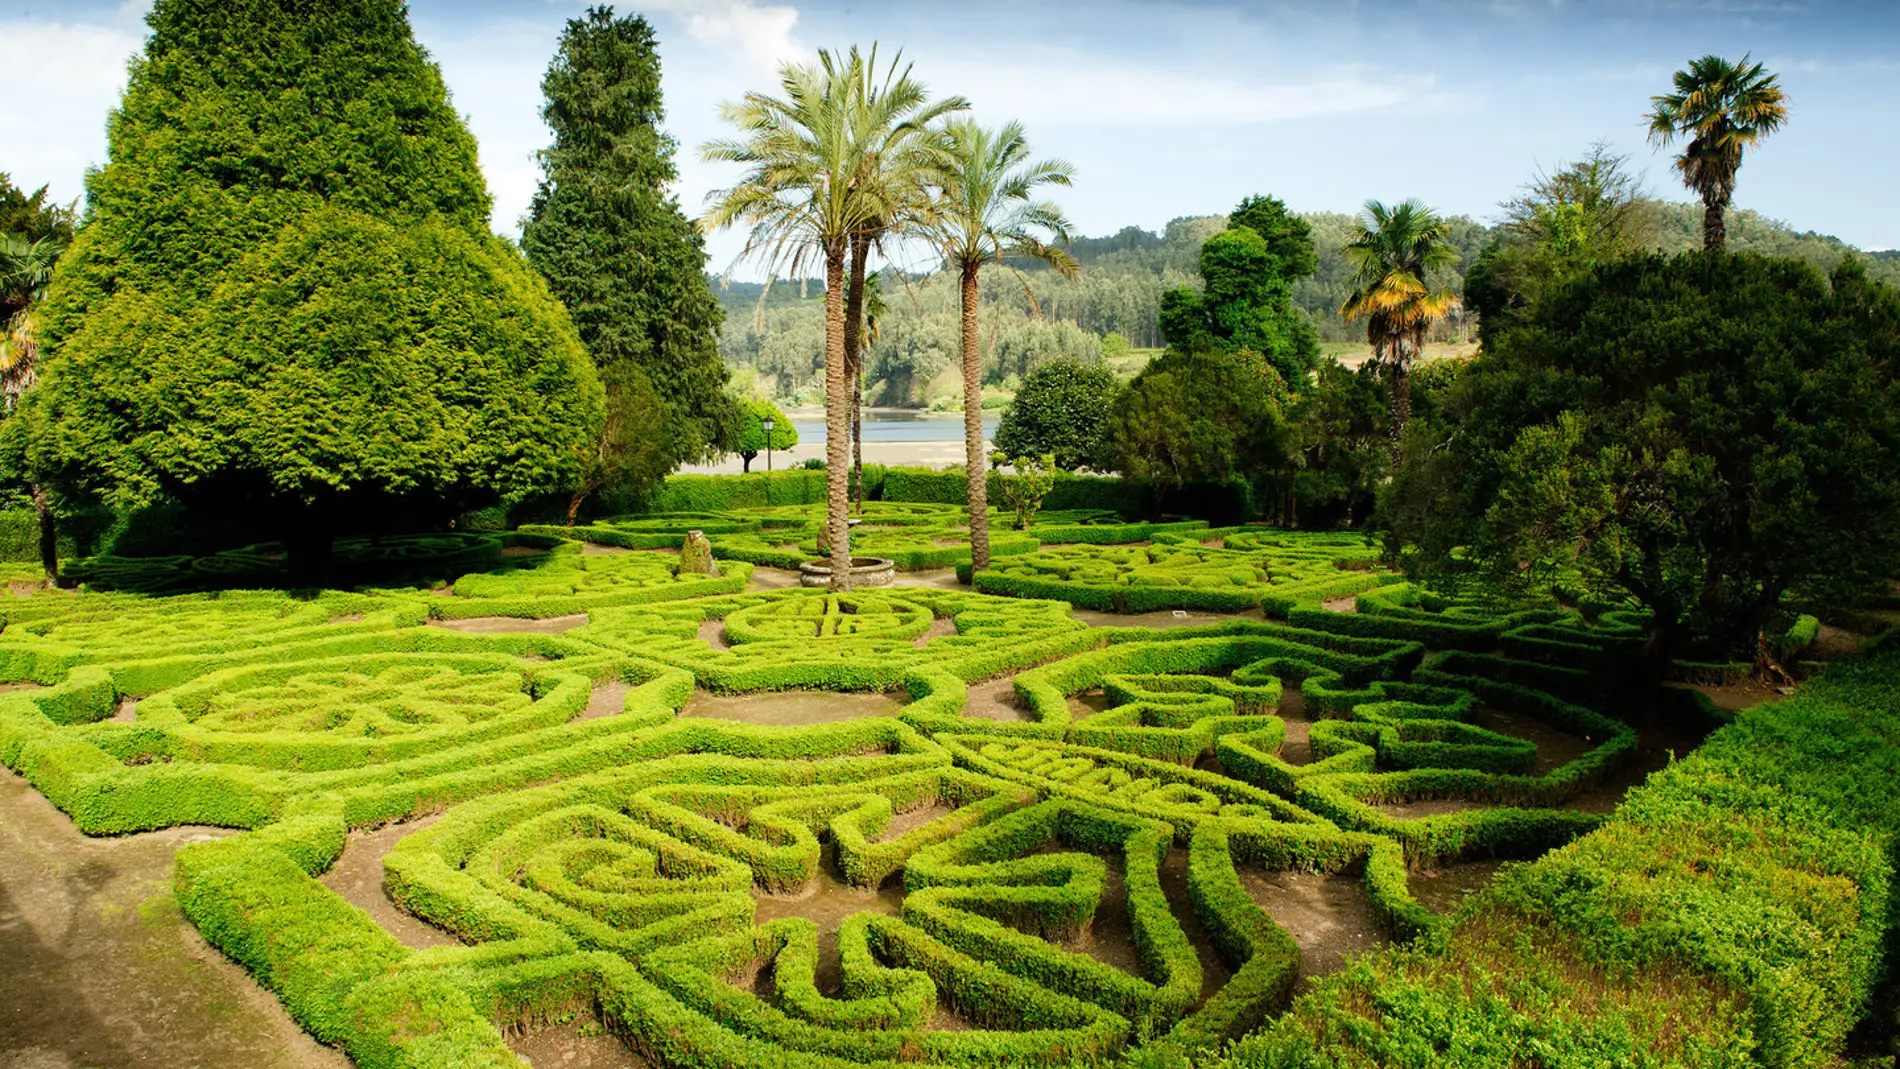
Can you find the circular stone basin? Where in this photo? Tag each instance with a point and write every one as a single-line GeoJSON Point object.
{"type": "Point", "coordinates": [865, 571]}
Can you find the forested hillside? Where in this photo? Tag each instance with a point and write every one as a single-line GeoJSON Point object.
{"type": "Point", "coordinates": [1119, 292]}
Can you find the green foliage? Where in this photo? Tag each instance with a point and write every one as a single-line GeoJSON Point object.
{"type": "Point", "coordinates": [33, 234]}
{"type": "Point", "coordinates": [20, 535]}
{"type": "Point", "coordinates": [1340, 440]}
{"type": "Point", "coordinates": [1246, 300]}
{"type": "Point", "coordinates": [1114, 345]}
{"type": "Point", "coordinates": [1027, 485]}
{"type": "Point", "coordinates": [1062, 408]}
{"type": "Point", "coordinates": [1289, 237]}
{"type": "Point", "coordinates": [913, 536]}
{"type": "Point", "coordinates": [1758, 948]}
{"type": "Point", "coordinates": [913, 359]}
{"type": "Point", "coordinates": [1276, 570]}
{"type": "Point", "coordinates": [623, 858]}
{"type": "Point", "coordinates": [1719, 108]}
{"type": "Point", "coordinates": [286, 301]}
{"type": "Point", "coordinates": [33, 216]}
{"type": "Point", "coordinates": [753, 438]}
{"type": "Point", "coordinates": [1563, 224]}
{"type": "Point", "coordinates": [612, 242]}
{"type": "Point", "coordinates": [1678, 228]}
{"type": "Point", "coordinates": [1211, 415]}
{"type": "Point", "coordinates": [1705, 434]}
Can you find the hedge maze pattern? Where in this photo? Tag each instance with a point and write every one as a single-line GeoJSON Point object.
{"type": "Point", "coordinates": [916, 536]}
{"type": "Point", "coordinates": [618, 862]}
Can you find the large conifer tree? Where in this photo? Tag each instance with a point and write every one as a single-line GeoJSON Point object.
{"type": "Point", "coordinates": [618, 251]}
{"type": "Point", "coordinates": [285, 301]}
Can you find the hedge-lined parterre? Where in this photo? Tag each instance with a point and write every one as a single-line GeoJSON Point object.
{"type": "Point", "coordinates": [619, 862]}
{"type": "Point", "coordinates": [915, 535]}
{"type": "Point", "coordinates": [1181, 568]}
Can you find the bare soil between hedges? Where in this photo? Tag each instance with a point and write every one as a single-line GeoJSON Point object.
{"type": "Point", "coordinates": [793, 708]}
{"type": "Point", "coordinates": [102, 969]}
{"type": "Point", "coordinates": [1330, 917]}
{"type": "Point", "coordinates": [582, 1043]}
{"type": "Point", "coordinates": [357, 877]}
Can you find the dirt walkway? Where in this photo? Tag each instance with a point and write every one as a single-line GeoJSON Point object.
{"type": "Point", "coordinates": [100, 970]}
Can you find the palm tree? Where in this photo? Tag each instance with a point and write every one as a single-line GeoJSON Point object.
{"type": "Point", "coordinates": [25, 269]}
{"type": "Point", "coordinates": [1722, 108]}
{"type": "Point", "coordinates": [831, 160]}
{"type": "Point", "coordinates": [1393, 251]}
{"type": "Point", "coordinates": [984, 216]}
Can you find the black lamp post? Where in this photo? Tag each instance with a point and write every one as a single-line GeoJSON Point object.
{"type": "Point", "coordinates": [768, 423]}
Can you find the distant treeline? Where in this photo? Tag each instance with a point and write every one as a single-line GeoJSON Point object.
{"type": "Point", "coordinates": [1119, 291]}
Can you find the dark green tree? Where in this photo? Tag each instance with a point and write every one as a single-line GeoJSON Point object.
{"type": "Point", "coordinates": [1289, 238]}
{"type": "Point", "coordinates": [1062, 409]}
{"type": "Point", "coordinates": [33, 216]}
{"type": "Point", "coordinates": [1210, 416]}
{"type": "Point", "coordinates": [286, 304]}
{"type": "Point", "coordinates": [1247, 297]}
{"type": "Point", "coordinates": [1339, 437]}
{"type": "Point", "coordinates": [614, 245]}
{"type": "Point", "coordinates": [1708, 435]}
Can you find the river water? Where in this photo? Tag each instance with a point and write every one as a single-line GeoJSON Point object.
{"type": "Point", "coordinates": [897, 425]}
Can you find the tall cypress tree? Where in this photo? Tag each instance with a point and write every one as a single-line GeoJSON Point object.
{"type": "Point", "coordinates": [618, 251]}
{"type": "Point", "coordinates": [286, 303]}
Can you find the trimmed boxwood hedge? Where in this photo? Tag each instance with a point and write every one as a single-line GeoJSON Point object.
{"type": "Point", "coordinates": [617, 862]}
{"type": "Point", "coordinates": [1736, 910]}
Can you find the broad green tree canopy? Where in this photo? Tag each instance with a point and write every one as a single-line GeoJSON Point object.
{"type": "Point", "coordinates": [1062, 409]}
{"type": "Point", "coordinates": [753, 438]}
{"type": "Point", "coordinates": [1247, 301]}
{"type": "Point", "coordinates": [1705, 434]}
{"type": "Point", "coordinates": [1212, 416]}
{"type": "Point", "coordinates": [286, 302]}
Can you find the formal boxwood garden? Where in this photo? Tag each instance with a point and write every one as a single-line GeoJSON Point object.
{"type": "Point", "coordinates": [916, 535]}
{"type": "Point", "coordinates": [615, 860]}
{"type": "Point", "coordinates": [1190, 566]}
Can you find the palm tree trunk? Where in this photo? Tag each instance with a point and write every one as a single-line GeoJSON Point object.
{"type": "Point", "coordinates": [1714, 230]}
{"type": "Point", "coordinates": [1400, 363]}
{"type": "Point", "coordinates": [973, 429]}
{"type": "Point", "coordinates": [857, 433]}
{"type": "Point", "coordinates": [837, 422]}
{"type": "Point", "coordinates": [853, 355]}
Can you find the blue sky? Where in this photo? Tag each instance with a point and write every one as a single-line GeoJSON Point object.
{"type": "Point", "coordinates": [1166, 109]}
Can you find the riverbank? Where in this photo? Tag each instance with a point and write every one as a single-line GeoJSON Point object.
{"type": "Point", "coordinates": [932, 454]}
{"type": "Point", "coordinates": [892, 436]}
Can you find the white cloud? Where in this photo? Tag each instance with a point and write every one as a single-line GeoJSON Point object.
{"type": "Point", "coordinates": [760, 35]}
{"type": "Point", "coordinates": [72, 73]}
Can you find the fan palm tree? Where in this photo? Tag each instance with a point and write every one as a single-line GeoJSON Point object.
{"type": "Point", "coordinates": [25, 269]}
{"type": "Point", "coordinates": [1393, 251]}
{"type": "Point", "coordinates": [984, 215]}
{"type": "Point", "coordinates": [1722, 108]}
{"type": "Point", "coordinates": [838, 155]}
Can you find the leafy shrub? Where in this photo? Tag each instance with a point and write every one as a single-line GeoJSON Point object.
{"type": "Point", "coordinates": [1062, 409]}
